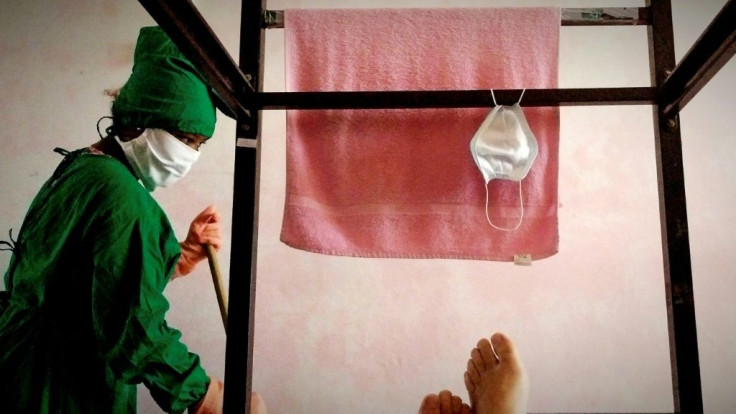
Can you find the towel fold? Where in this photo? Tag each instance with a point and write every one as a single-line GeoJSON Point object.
{"type": "Point", "coordinates": [402, 183]}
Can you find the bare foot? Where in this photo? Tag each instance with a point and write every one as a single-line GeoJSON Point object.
{"type": "Point", "coordinates": [444, 403]}
{"type": "Point", "coordinates": [257, 406]}
{"type": "Point", "coordinates": [496, 382]}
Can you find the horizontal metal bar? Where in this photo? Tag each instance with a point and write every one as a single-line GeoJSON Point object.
{"type": "Point", "coordinates": [705, 58]}
{"type": "Point", "coordinates": [609, 16]}
{"type": "Point", "coordinates": [453, 99]}
{"type": "Point", "coordinates": [196, 40]}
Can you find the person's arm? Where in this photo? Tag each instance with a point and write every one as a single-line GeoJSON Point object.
{"type": "Point", "coordinates": [134, 253]}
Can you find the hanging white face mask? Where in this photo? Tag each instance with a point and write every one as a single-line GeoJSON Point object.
{"type": "Point", "coordinates": [158, 158]}
{"type": "Point", "coordinates": [504, 148]}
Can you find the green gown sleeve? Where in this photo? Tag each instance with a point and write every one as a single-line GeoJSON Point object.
{"type": "Point", "coordinates": [134, 254]}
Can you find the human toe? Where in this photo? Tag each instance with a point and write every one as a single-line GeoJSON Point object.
{"type": "Point", "coordinates": [430, 405]}
{"type": "Point", "coordinates": [445, 402]}
{"type": "Point", "coordinates": [504, 347]}
{"type": "Point", "coordinates": [485, 349]}
{"type": "Point", "coordinates": [458, 407]}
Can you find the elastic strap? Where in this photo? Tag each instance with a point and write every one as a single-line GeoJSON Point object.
{"type": "Point", "coordinates": [521, 218]}
{"type": "Point", "coordinates": [521, 96]}
{"type": "Point", "coordinates": [517, 102]}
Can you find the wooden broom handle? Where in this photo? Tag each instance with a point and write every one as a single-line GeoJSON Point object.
{"type": "Point", "coordinates": [217, 281]}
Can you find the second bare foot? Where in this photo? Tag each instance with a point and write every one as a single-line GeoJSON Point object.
{"type": "Point", "coordinates": [444, 403]}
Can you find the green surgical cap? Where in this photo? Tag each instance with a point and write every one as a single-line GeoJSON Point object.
{"type": "Point", "coordinates": [164, 89]}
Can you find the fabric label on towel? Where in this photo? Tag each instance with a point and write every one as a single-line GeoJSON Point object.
{"type": "Point", "coordinates": [523, 259]}
{"type": "Point", "coordinates": [402, 183]}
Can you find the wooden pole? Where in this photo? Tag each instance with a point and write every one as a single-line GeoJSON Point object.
{"type": "Point", "coordinates": [217, 281]}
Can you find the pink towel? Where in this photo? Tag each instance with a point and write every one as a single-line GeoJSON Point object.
{"type": "Point", "coordinates": [402, 183]}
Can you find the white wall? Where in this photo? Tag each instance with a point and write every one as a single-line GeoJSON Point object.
{"type": "Point", "coordinates": [590, 321]}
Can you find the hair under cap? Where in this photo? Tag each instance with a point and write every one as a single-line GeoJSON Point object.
{"type": "Point", "coordinates": [164, 89]}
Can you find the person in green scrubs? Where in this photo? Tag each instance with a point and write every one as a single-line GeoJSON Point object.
{"type": "Point", "coordinates": [83, 319]}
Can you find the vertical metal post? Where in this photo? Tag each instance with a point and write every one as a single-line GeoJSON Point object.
{"type": "Point", "coordinates": [683, 338]}
{"type": "Point", "coordinates": [239, 348]}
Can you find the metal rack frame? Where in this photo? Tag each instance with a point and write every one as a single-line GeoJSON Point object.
{"type": "Point", "coordinates": [240, 88]}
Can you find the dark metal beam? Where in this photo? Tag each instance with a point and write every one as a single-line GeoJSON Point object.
{"type": "Point", "coordinates": [243, 258]}
{"type": "Point", "coordinates": [239, 346]}
{"type": "Point", "coordinates": [705, 58]}
{"type": "Point", "coordinates": [454, 99]}
{"type": "Point", "coordinates": [609, 16]}
{"type": "Point", "coordinates": [678, 281]}
{"type": "Point", "coordinates": [196, 40]}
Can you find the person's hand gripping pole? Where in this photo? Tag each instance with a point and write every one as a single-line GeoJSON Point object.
{"type": "Point", "coordinates": [202, 242]}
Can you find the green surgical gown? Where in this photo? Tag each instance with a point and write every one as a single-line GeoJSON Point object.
{"type": "Point", "coordinates": [84, 322]}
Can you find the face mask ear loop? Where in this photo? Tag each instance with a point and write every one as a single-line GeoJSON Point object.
{"type": "Point", "coordinates": [521, 218]}
{"type": "Point", "coordinates": [521, 96]}
{"type": "Point", "coordinates": [107, 130]}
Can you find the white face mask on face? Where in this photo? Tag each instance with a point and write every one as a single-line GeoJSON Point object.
{"type": "Point", "coordinates": [504, 148]}
{"type": "Point", "coordinates": [158, 158]}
